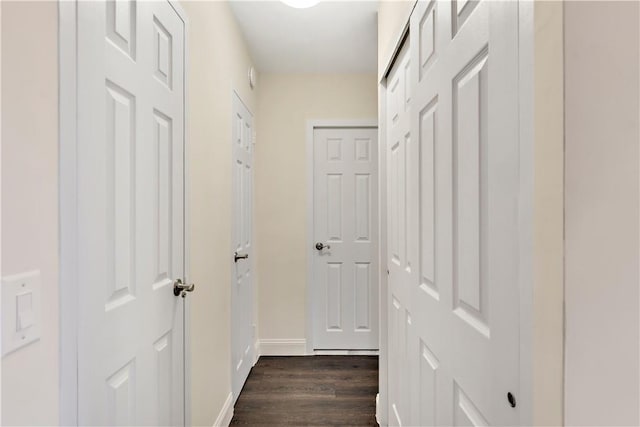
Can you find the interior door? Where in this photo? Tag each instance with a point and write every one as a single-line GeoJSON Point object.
{"type": "Point", "coordinates": [130, 201]}
{"type": "Point", "coordinates": [242, 334]}
{"type": "Point", "coordinates": [401, 230]}
{"type": "Point", "coordinates": [345, 273]}
{"type": "Point", "coordinates": [453, 187]}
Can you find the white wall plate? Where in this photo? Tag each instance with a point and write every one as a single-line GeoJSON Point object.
{"type": "Point", "coordinates": [20, 310]}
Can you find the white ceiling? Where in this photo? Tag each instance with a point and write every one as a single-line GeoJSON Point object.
{"type": "Point", "coordinates": [331, 37]}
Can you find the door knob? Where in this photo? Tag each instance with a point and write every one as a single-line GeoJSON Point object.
{"type": "Point", "coordinates": [237, 256]}
{"type": "Point", "coordinates": [320, 246]}
{"type": "Point", "coordinates": [180, 288]}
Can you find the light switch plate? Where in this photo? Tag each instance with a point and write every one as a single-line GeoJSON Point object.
{"type": "Point", "coordinates": [20, 310]}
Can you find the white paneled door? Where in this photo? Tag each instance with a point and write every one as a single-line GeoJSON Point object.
{"type": "Point", "coordinates": [130, 210]}
{"type": "Point", "coordinates": [345, 273]}
{"type": "Point", "coordinates": [242, 334]}
{"type": "Point", "coordinates": [452, 181]}
{"type": "Point", "coordinates": [400, 262]}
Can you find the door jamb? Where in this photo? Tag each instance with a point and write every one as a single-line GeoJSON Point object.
{"type": "Point", "coordinates": [311, 126]}
{"type": "Point", "coordinates": [67, 145]}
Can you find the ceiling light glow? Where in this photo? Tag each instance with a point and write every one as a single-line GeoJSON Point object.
{"type": "Point", "coordinates": [301, 4]}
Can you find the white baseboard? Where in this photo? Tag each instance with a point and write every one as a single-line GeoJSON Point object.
{"type": "Point", "coordinates": [256, 352]}
{"type": "Point", "coordinates": [283, 347]}
{"type": "Point", "coordinates": [346, 352]}
{"type": "Point", "coordinates": [226, 413]}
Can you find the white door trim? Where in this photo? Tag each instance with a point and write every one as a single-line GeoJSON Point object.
{"type": "Point", "coordinates": [311, 125]}
{"type": "Point", "coordinates": [67, 104]}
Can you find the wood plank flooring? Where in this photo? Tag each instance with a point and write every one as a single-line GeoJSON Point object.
{"type": "Point", "coordinates": [310, 390]}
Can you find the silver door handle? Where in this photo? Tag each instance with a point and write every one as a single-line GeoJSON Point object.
{"type": "Point", "coordinates": [237, 256]}
{"type": "Point", "coordinates": [180, 288]}
{"type": "Point", "coordinates": [320, 246]}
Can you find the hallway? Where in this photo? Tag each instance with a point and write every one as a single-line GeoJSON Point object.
{"type": "Point", "coordinates": [320, 212]}
{"type": "Point", "coordinates": [315, 390]}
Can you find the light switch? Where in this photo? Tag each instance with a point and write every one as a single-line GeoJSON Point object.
{"type": "Point", "coordinates": [24, 310]}
{"type": "Point", "coordinates": [20, 310]}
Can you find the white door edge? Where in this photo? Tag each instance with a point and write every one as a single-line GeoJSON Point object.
{"type": "Point", "coordinates": [68, 285]}
{"type": "Point", "coordinates": [311, 126]}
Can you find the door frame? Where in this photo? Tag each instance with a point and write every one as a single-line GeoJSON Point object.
{"type": "Point", "coordinates": [67, 146]}
{"type": "Point", "coordinates": [311, 126]}
{"type": "Point", "coordinates": [525, 216]}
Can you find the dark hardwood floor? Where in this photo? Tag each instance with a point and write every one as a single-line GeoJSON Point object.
{"type": "Point", "coordinates": [311, 390]}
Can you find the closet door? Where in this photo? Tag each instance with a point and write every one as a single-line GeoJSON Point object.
{"type": "Point", "coordinates": [401, 226]}
{"type": "Point", "coordinates": [465, 303]}
{"type": "Point", "coordinates": [453, 217]}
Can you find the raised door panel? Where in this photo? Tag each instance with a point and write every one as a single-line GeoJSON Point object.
{"type": "Point", "coordinates": [363, 214]}
{"type": "Point", "coordinates": [363, 292]}
{"type": "Point", "coordinates": [334, 296]}
{"type": "Point", "coordinates": [238, 196]}
{"type": "Point", "coordinates": [428, 393]}
{"type": "Point", "coordinates": [428, 203]}
{"type": "Point", "coordinates": [163, 53]}
{"type": "Point", "coordinates": [121, 396]}
{"type": "Point", "coordinates": [247, 219]}
{"type": "Point", "coordinates": [470, 287]}
{"type": "Point", "coordinates": [163, 212]}
{"type": "Point", "coordinates": [465, 411]}
{"type": "Point", "coordinates": [121, 25]}
{"type": "Point", "coordinates": [335, 194]}
{"type": "Point", "coordinates": [397, 345]}
{"type": "Point", "coordinates": [427, 38]}
{"type": "Point", "coordinates": [120, 154]}
{"type": "Point", "coordinates": [163, 352]}
{"type": "Point", "coordinates": [395, 208]}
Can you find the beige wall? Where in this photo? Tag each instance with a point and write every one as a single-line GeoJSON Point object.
{"type": "Point", "coordinates": [285, 103]}
{"type": "Point", "coordinates": [602, 136]}
{"type": "Point", "coordinates": [219, 62]}
{"type": "Point", "coordinates": [393, 15]}
{"type": "Point", "coordinates": [548, 211]}
{"type": "Point", "coordinates": [30, 199]}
